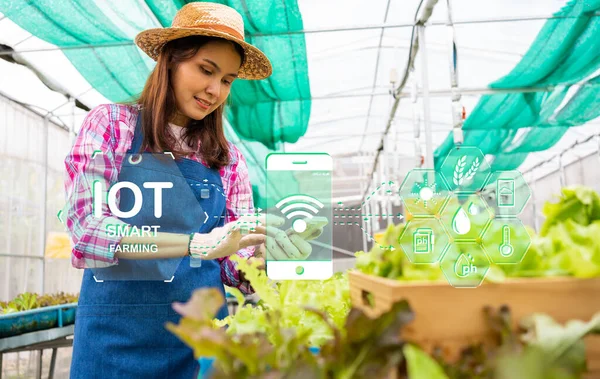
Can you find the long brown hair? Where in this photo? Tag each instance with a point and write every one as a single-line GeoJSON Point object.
{"type": "Point", "coordinates": [158, 107]}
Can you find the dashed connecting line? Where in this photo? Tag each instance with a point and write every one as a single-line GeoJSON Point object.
{"type": "Point", "coordinates": [365, 217]}
{"type": "Point", "coordinates": [390, 183]}
{"type": "Point", "coordinates": [242, 227]}
{"type": "Point", "coordinates": [341, 223]}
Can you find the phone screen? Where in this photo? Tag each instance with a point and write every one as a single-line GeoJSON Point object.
{"type": "Point", "coordinates": [299, 191]}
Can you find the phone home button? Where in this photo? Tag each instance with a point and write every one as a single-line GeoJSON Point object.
{"type": "Point", "coordinates": [299, 270]}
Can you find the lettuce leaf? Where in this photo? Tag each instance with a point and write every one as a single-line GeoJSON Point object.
{"type": "Point", "coordinates": [420, 365]}
{"type": "Point", "coordinates": [578, 203]}
{"type": "Point", "coordinates": [289, 299]}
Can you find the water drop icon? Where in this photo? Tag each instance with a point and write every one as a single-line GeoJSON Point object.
{"type": "Point", "coordinates": [473, 209]}
{"type": "Point", "coordinates": [460, 222]}
{"type": "Point", "coordinates": [461, 262]}
{"type": "Point", "coordinates": [463, 266]}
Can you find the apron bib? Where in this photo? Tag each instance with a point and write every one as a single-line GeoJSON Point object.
{"type": "Point", "coordinates": [120, 323]}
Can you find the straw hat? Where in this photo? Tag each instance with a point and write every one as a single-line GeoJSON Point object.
{"type": "Point", "coordinates": [213, 20]}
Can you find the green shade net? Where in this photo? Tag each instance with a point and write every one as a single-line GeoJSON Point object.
{"type": "Point", "coordinates": [269, 111]}
{"type": "Point", "coordinates": [564, 53]}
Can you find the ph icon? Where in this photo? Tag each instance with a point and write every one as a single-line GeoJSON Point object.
{"type": "Point", "coordinates": [464, 266]}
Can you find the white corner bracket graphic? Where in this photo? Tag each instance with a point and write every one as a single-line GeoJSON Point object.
{"type": "Point", "coordinates": [170, 280]}
{"type": "Point", "coordinates": [206, 219]}
{"type": "Point", "coordinates": [97, 281]}
{"type": "Point", "coordinates": [171, 154]}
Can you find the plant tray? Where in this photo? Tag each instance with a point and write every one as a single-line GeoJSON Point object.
{"type": "Point", "coordinates": [451, 318]}
{"type": "Point", "coordinates": [14, 324]}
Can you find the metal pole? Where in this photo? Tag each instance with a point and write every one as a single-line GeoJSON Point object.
{"type": "Point", "coordinates": [421, 17]}
{"type": "Point", "coordinates": [457, 120]}
{"type": "Point", "coordinates": [361, 168]}
{"type": "Point", "coordinates": [367, 233]}
{"type": "Point", "coordinates": [11, 190]}
{"type": "Point", "coordinates": [561, 171]}
{"type": "Point", "coordinates": [52, 364]}
{"type": "Point", "coordinates": [536, 224]}
{"type": "Point", "coordinates": [426, 99]}
{"type": "Point", "coordinates": [72, 134]}
{"type": "Point", "coordinates": [416, 119]}
{"type": "Point", "coordinates": [376, 207]}
{"type": "Point", "coordinates": [27, 248]}
{"type": "Point", "coordinates": [387, 8]}
{"type": "Point", "coordinates": [39, 365]}
{"type": "Point", "coordinates": [380, 196]}
{"type": "Point", "coordinates": [44, 198]}
{"type": "Point", "coordinates": [325, 30]}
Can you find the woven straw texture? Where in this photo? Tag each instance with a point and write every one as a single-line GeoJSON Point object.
{"type": "Point", "coordinates": [213, 20]}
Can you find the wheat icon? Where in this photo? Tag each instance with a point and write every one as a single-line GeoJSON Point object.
{"type": "Point", "coordinates": [459, 175]}
{"type": "Point", "coordinates": [474, 166]}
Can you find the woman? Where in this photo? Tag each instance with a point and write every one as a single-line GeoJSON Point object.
{"type": "Point", "coordinates": [126, 293]}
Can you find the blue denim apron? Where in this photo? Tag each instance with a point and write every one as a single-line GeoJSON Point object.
{"type": "Point", "coordinates": [120, 324]}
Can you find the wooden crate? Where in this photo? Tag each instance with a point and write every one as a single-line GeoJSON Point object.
{"type": "Point", "coordinates": [451, 317]}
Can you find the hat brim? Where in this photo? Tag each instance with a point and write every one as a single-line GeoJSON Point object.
{"type": "Point", "coordinates": [256, 65]}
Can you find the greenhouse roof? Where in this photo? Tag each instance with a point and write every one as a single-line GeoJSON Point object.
{"type": "Point", "coordinates": [351, 49]}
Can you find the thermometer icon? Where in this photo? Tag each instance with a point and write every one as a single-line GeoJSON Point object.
{"type": "Point", "coordinates": [506, 249]}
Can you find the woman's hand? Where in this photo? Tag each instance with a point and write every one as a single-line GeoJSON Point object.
{"type": "Point", "coordinates": [228, 239]}
{"type": "Point", "coordinates": [282, 246]}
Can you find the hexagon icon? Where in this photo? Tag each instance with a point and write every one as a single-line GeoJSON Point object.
{"type": "Point", "coordinates": [465, 264]}
{"type": "Point", "coordinates": [465, 218]}
{"type": "Point", "coordinates": [423, 240]}
{"type": "Point", "coordinates": [424, 192]}
{"type": "Point", "coordinates": [465, 169]}
{"type": "Point", "coordinates": [507, 192]}
{"type": "Point", "coordinates": [506, 240]}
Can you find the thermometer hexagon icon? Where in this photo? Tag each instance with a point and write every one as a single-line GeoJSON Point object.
{"type": "Point", "coordinates": [506, 249]}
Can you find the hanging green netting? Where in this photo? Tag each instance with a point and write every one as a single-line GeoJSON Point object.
{"type": "Point", "coordinates": [564, 53]}
{"type": "Point", "coordinates": [108, 69]}
{"type": "Point", "coordinates": [534, 139]}
{"type": "Point", "coordinates": [583, 107]}
{"type": "Point", "coordinates": [269, 111]}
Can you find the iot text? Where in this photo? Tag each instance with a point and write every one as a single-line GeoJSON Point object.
{"type": "Point", "coordinates": [137, 194]}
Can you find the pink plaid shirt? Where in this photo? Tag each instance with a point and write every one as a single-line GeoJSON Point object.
{"type": "Point", "coordinates": [109, 128]}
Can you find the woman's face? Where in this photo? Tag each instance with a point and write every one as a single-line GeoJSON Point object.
{"type": "Point", "coordinates": [202, 83]}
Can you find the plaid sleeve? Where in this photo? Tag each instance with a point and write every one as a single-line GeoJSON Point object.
{"type": "Point", "coordinates": [92, 160]}
{"type": "Point", "coordinates": [239, 202]}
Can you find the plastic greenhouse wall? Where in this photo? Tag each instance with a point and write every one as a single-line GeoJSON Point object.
{"type": "Point", "coordinates": [22, 166]}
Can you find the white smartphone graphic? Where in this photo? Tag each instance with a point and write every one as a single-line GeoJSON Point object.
{"type": "Point", "coordinates": [299, 190]}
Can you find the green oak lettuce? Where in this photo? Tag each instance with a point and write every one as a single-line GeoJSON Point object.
{"type": "Point", "coordinates": [567, 245]}
{"type": "Point", "coordinates": [290, 299]}
{"type": "Point", "coordinates": [362, 348]}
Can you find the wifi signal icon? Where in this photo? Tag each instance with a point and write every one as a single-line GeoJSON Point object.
{"type": "Point", "coordinates": [299, 205]}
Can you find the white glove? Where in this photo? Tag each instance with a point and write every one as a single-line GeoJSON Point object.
{"type": "Point", "coordinates": [288, 246]}
{"type": "Point", "coordinates": [228, 239]}
{"type": "Point", "coordinates": [281, 247]}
